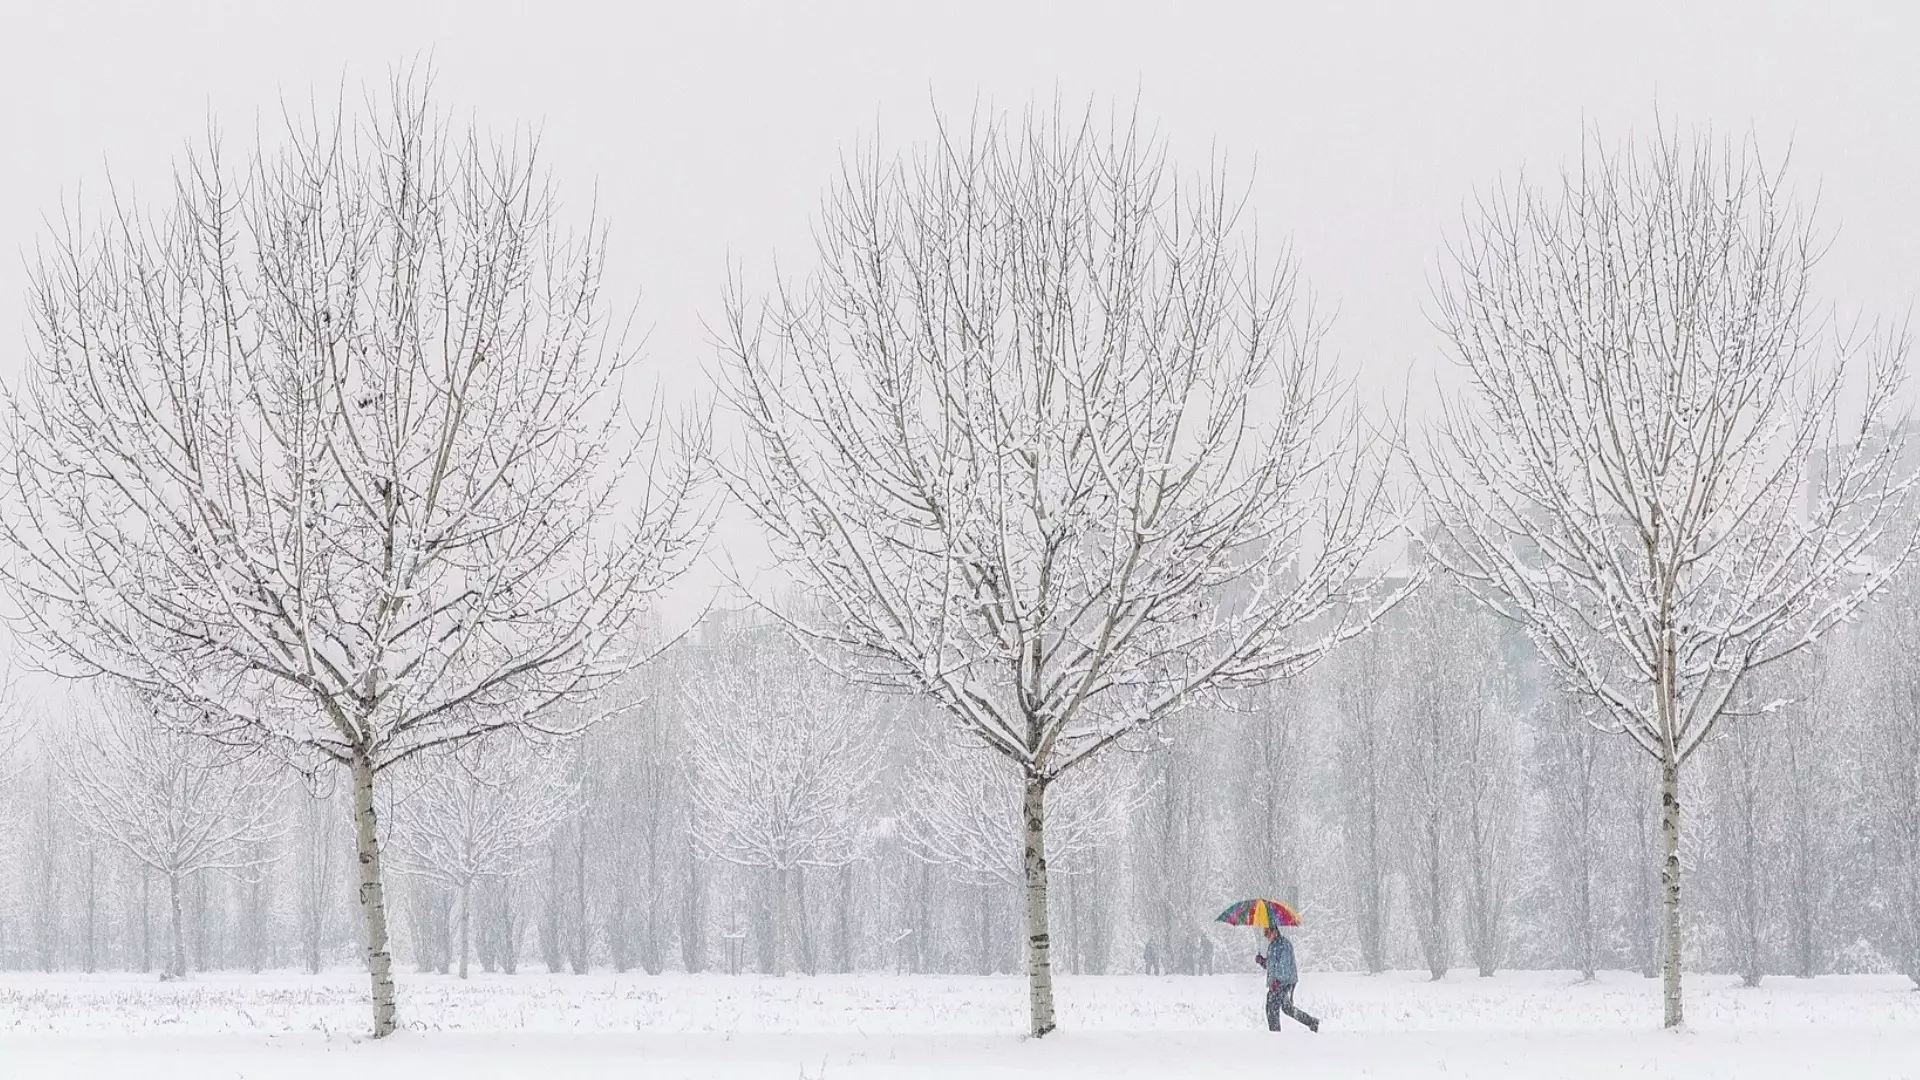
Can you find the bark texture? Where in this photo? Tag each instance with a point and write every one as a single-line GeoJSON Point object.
{"type": "Point", "coordinates": [373, 896]}
{"type": "Point", "coordinates": [1670, 890]}
{"type": "Point", "coordinates": [1039, 947]}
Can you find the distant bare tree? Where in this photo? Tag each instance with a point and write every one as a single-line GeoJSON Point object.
{"type": "Point", "coordinates": [177, 804]}
{"type": "Point", "coordinates": [1572, 782]}
{"type": "Point", "coordinates": [328, 449]}
{"type": "Point", "coordinates": [1055, 449]}
{"type": "Point", "coordinates": [478, 812]}
{"type": "Point", "coordinates": [1892, 731]}
{"type": "Point", "coordinates": [1366, 749]}
{"type": "Point", "coordinates": [1651, 470]}
{"type": "Point", "coordinates": [783, 765]}
{"type": "Point", "coordinates": [960, 798]}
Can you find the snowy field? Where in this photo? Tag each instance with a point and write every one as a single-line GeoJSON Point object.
{"type": "Point", "coordinates": [556, 1027]}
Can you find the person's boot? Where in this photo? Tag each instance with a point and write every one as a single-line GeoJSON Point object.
{"type": "Point", "coordinates": [1313, 1025]}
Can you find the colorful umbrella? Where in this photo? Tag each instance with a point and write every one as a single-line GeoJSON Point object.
{"type": "Point", "coordinates": [1261, 913]}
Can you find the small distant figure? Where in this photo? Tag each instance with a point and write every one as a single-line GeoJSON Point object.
{"type": "Point", "coordinates": [1150, 958]}
{"type": "Point", "coordinates": [1206, 955]}
{"type": "Point", "coordinates": [1282, 976]}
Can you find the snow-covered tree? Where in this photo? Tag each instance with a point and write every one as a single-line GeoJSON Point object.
{"type": "Point", "coordinates": [1430, 709]}
{"type": "Point", "coordinates": [1651, 468]}
{"type": "Point", "coordinates": [1055, 448]}
{"type": "Point", "coordinates": [1366, 748]}
{"type": "Point", "coordinates": [782, 766]}
{"type": "Point", "coordinates": [319, 821]}
{"type": "Point", "coordinates": [959, 798]}
{"type": "Point", "coordinates": [325, 448]}
{"type": "Point", "coordinates": [1573, 770]}
{"type": "Point", "coordinates": [178, 804]}
{"type": "Point", "coordinates": [477, 813]}
{"type": "Point", "coordinates": [1891, 703]}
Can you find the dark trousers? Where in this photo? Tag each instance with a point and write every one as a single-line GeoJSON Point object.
{"type": "Point", "coordinates": [1280, 1000]}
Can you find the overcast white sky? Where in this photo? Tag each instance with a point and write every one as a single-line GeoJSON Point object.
{"type": "Point", "coordinates": [710, 128]}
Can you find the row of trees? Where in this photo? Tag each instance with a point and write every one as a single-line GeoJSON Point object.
{"type": "Point", "coordinates": [627, 852]}
{"type": "Point", "coordinates": [324, 462]}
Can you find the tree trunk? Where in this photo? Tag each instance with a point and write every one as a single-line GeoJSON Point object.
{"type": "Point", "coordinates": [373, 896]}
{"type": "Point", "coordinates": [809, 949]}
{"type": "Point", "coordinates": [177, 963]}
{"type": "Point", "coordinates": [201, 908]}
{"type": "Point", "coordinates": [551, 947]}
{"type": "Point", "coordinates": [466, 924]}
{"type": "Point", "coordinates": [582, 943]}
{"type": "Point", "coordinates": [1585, 751]}
{"type": "Point", "coordinates": [984, 957]}
{"type": "Point", "coordinates": [776, 952]}
{"type": "Point", "coordinates": [1039, 953]}
{"type": "Point", "coordinates": [256, 919]}
{"type": "Point", "coordinates": [1434, 935]}
{"type": "Point", "coordinates": [146, 919]}
{"type": "Point", "coordinates": [91, 948]}
{"type": "Point", "coordinates": [693, 916]}
{"type": "Point", "coordinates": [509, 931]}
{"type": "Point", "coordinates": [843, 945]}
{"type": "Point", "coordinates": [1670, 889]}
{"type": "Point", "coordinates": [1583, 912]}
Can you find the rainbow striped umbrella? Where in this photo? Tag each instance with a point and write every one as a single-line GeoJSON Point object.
{"type": "Point", "coordinates": [1261, 913]}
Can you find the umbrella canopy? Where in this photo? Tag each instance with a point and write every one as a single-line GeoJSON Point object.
{"type": "Point", "coordinates": [1261, 913]}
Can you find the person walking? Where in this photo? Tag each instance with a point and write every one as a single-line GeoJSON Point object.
{"type": "Point", "coordinates": [1282, 976]}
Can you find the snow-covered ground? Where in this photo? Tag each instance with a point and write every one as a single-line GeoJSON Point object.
{"type": "Point", "coordinates": [557, 1027]}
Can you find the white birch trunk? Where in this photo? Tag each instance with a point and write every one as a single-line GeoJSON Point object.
{"type": "Point", "coordinates": [1039, 951]}
{"type": "Point", "coordinates": [373, 896]}
{"type": "Point", "coordinates": [1670, 890]}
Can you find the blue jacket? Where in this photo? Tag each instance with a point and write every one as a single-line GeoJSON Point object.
{"type": "Point", "coordinates": [1278, 960]}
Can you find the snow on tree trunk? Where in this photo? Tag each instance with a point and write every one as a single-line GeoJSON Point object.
{"type": "Point", "coordinates": [177, 926]}
{"type": "Point", "coordinates": [466, 924]}
{"type": "Point", "coordinates": [373, 896]}
{"type": "Point", "coordinates": [803, 922]}
{"type": "Point", "coordinates": [1671, 953]}
{"type": "Point", "coordinates": [1033, 818]}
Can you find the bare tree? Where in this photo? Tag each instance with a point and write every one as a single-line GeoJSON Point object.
{"type": "Point", "coordinates": [782, 766]}
{"type": "Point", "coordinates": [1891, 702]}
{"type": "Point", "coordinates": [1489, 797]}
{"type": "Point", "coordinates": [1365, 753]}
{"type": "Point", "coordinates": [1430, 710]}
{"type": "Point", "coordinates": [1272, 733]}
{"type": "Point", "coordinates": [1742, 842]}
{"type": "Point", "coordinates": [177, 804]}
{"type": "Point", "coordinates": [1807, 757]}
{"type": "Point", "coordinates": [316, 868]}
{"type": "Point", "coordinates": [960, 798]}
{"type": "Point", "coordinates": [1572, 780]}
{"type": "Point", "coordinates": [326, 449]}
{"type": "Point", "coordinates": [476, 813]}
{"type": "Point", "coordinates": [1651, 470]}
{"type": "Point", "coordinates": [1055, 449]}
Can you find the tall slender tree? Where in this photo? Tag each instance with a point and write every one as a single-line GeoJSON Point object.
{"type": "Point", "coordinates": [1652, 469]}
